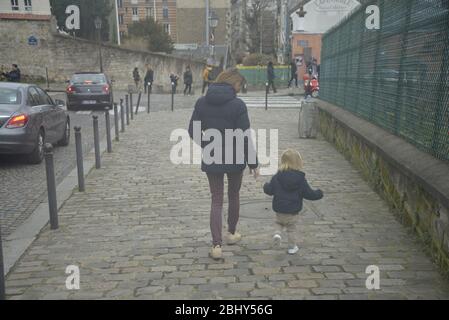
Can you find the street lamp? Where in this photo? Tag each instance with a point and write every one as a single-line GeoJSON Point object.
{"type": "Point", "coordinates": [98, 24]}
{"type": "Point", "coordinates": [213, 23]}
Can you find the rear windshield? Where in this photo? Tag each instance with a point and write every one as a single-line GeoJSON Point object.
{"type": "Point", "coordinates": [88, 79]}
{"type": "Point", "coordinates": [10, 96]}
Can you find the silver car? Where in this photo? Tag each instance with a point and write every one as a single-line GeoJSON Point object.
{"type": "Point", "coordinates": [29, 118]}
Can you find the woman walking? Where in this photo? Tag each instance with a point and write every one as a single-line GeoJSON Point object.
{"type": "Point", "coordinates": [220, 109]}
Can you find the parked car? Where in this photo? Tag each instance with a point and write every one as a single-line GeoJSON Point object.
{"type": "Point", "coordinates": [29, 118]}
{"type": "Point", "coordinates": [89, 90]}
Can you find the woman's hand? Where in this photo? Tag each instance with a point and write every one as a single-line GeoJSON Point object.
{"type": "Point", "coordinates": [255, 173]}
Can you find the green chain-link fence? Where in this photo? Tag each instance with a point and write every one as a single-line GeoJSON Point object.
{"type": "Point", "coordinates": [396, 77]}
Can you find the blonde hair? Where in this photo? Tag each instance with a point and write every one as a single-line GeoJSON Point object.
{"type": "Point", "coordinates": [291, 160]}
{"type": "Point", "coordinates": [230, 76]}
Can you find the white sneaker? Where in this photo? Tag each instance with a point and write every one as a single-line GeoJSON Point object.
{"type": "Point", "coordinates": [277, 240]}
{"type": "Point", "coordinates": [293, 250]}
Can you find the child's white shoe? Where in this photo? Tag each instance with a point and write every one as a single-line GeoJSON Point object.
{"type": "Point", "coordinates": [293, 250]}
{"type": "Point", "coordinates": [277, 239]}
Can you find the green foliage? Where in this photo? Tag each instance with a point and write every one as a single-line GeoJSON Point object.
{"type": "Point", "coordinates": [152, 34]}
{"type": "Point", "coordinates": [88, 11]}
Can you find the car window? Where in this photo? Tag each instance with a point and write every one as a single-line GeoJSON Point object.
{"type": "Point", "coordinates": [44, 97]}
{"type": "Point", "coordinates": [10, 96]}
{"type": "Point", "coordinates": [34, 95]}
{"type": "Point", "coordinates": [88, 79]}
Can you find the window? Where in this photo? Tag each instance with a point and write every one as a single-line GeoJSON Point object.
{"type": "Point", "coordinates": [44, 97]}
{"type": "Point", "coordinates": [150, 12]}
{"type": "Point", "coordinates": [135, 1]}
{"type": "Point", "coordinates": [165, 12]}
{"type": "Point", "coordinates": [119, 3]}
{"type": "Point", "coordinates": [135, 14]}
{"type": "Point", "coordinates": [303, 43]}
{"type": "Point", "coordinates": [15, 5]}
{"type": "Point", "coordinates": [28, 5]}
{"type": "Point", "coordinates": [9, 96]}
{"type": "Point", "coordinates": [33, 97]}
{"type": "Point", "coordinates": [167, 28]}
{"type": "Point", "coordinates": [120, 19]}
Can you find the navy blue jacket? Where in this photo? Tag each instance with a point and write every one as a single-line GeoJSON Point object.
{"type": "Point", "coordinates": [289, 189]}
{"type": "Point", "coordinates": [220, 109]}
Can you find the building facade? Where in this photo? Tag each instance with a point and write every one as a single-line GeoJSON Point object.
{"type": "Point", "coordinates": [191, 16]}
{"type": "Point", "coordinates": [25, 9]}
{"type": "Point", "coordinates": [309, 20]}
{"type": "Point", "coordinates": [162, 11]}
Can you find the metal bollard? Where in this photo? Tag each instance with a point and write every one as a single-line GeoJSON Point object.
{"type": "Point", "coordinates": [79, 159]}
{"type": "Point", "coordinates": [117, 134]}
{"type": "Point", "coordinates": [51, 186]}
{"type": "Point", "coordinates": [172, 96]}
{"type": "Point", "coordinates": [2, 270]}
{"type": "Point", "coordinates": [149, 100]}
{"type": "Point", "coordinates": [266, 95]}
{"type": "Point", "coordinates": [131, 106]}
{"type": "Point", "coordinates": [127, 109]}
{"type": "Point", "coordinates": [108, 130]}
{"type": "Point", "coordinates": [122, 115]}
{"type": "Point", "coordinates": [97, 143]}
{"type": "Point", "coordinates": [138, 102]}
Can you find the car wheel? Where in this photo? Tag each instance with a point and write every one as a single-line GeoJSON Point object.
{"type": "Point", "coordinates": [65, 141]}
{"type": "Point", "coordinates": [37, 156]}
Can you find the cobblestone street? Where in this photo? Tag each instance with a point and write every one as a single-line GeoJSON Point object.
{"type": "Point", "coordinates": [141, 231]}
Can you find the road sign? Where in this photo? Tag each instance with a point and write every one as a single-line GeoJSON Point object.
{"type": "Point", "coordinates": [32, 41]}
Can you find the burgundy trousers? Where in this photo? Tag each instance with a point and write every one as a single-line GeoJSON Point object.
{"type": "Point", "coordinates": [216, 185]}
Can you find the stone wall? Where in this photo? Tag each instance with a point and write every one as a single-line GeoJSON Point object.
{"type": "Point", "coordinates": [64, 55]}
{"type": "Point", "coordinates": [414, 184]}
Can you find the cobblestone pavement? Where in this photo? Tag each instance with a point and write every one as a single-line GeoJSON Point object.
{"type": "Point", "coordinates": [23, 186]}
{"type": "Point", "coordinates": [141, 231]}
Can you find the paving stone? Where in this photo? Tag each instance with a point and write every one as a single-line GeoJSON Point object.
{"type": "Point", "coordinates": [149, 234]}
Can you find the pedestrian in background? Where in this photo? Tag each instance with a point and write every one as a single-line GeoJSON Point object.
{"type": "Point", "coordinates": [188, 81]}
{"type": "Point", "coordinates": [289, 188]}
{"type": "Point", "coordinates": [148, 80]}
{"type": "Point", "coordinates": [220, 109]}
{"type": "Point", "coordinates": [14, 75]}
{"type": "Point", "coordinates": [174, 81]}
{"type": "Point", "coordinates": [271, 76]}
{"type": "Point", "coordinates": [294, 74]}
{"type": "Point", "coordinates": [206, 78]}
{"type": "Point", "coordinates": [136, 77]}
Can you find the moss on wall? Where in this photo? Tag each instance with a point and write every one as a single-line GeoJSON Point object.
{"type": "Point", "coordinates": [410, 202]}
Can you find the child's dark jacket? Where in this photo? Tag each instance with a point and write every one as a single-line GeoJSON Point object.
{"type": "Point", "coordinates": [289, 189]}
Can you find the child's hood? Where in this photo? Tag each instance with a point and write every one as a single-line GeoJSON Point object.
{"type": "Point", "coordinates": [291, 180]}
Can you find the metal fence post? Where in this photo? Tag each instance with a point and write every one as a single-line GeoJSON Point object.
{"type": "Point", "coordinates": [127, 109]}
{"type": "Point", "coordinates": [138, 102]}
{"type": "Point", "coordinates": [79, 159]}
{"type": "Point", "coordinates": [96, 143]}
{"type": "Point", "coordinates": [108, 130]}
{"type": "Point", "coordinates": [172, 96]}
{"type": "Point", "coordinates": [122, 115]}
{"type": "Point", "coordinates": [117, 134]}
{"type": "Point", "coordinates": [266, 95]}
{"type": "Point", "coordinates": [51, 186]}
{"type": "Point", "coordinates": [149, 100]}
{"type": "Point", "coordinates": [131, 106]}
{"type": "Point", "coordinates": [2, 270]}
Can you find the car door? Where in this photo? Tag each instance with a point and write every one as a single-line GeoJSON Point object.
{"type": "Point", "coordinates": [48, 116]}
{"type": "Point", "coordinates": [38, 111]}
{"type": "Point", "coordinates": [58, 115]}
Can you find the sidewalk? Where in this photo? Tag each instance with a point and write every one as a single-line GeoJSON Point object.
{"type": "Point", "coordinates": [141, 231]}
